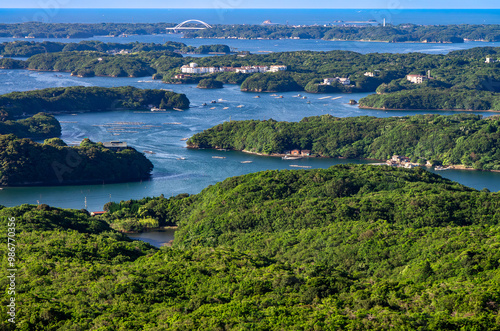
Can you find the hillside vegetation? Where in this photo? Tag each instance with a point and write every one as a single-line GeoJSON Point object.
{"type": "Point", "coordinates": [350, 247]}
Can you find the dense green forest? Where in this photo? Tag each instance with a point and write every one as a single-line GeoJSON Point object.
{"type": "Point", "coordinates": [349, 247]}
{"type": "Point", "coordinates": [79, 98]}
{"type": "Point", "coordinates": [30, 48]}
{"type": "Point", "coordinates": [390, 33]}
{"type": "Point", "coordinates": [27, 163]}
{"type": "Point", "coordinates": [39, 126]}
{"type": "Point", "coordinates": [465, 139]}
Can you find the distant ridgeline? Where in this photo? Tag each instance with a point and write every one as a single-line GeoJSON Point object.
{"type": "Point", "coordinates": [26, 163]}
{"type": "Point", "coordinates": [469, 140]}
{"type": "Point", "coordinates": [391, 33]}
{"type": "Point", "coordinates": [91, 99]}
{"type": "Point", "coordinates": [344, 248]}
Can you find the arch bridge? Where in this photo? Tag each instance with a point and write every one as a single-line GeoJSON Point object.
{"type": "Point", "coordinates": [181, 26]}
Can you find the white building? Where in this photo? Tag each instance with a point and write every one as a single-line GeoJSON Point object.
{"type": "Point", "coordinates": [369, 74]}
{"type": "Point", "coordinates": [416, 79]}
{"type": "Point", "coordinates": [277, 68]}
{"type": "Point", "coordinates": [344, 81]}
{"type": "Point", "coordinates": [330, 81]}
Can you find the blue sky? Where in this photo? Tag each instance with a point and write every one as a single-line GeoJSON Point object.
{"type": "Point", "coordinates": [379, 4]}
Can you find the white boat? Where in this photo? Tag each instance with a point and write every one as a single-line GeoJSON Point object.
{"type": "Point", "coordinates": [274, 95]}
{"type": "Point", "coordinates": [218, 157]}
{"type": "Point", "coordinates": [184, 139]}
{"type": "Point", "coordinates": [257, 97]}
{"type": "Point", "coordinates": [244, 162]}
{"type": "Point", "coordinates": [240, 106]}
{"type": "Point", "coordinates": [181, 158]}
{"type": "Point", "coordinates": [149, 152]}
{"type": "Point", "coordinates": [225, 108]}
{"type": "Point", "coordinates": [286, 157]}
{"type": "Point", "coordinates": [157, 109]}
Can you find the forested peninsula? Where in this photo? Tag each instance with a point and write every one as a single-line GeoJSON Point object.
{"type": "Point", "coordinates": [27, 163]}
{"type": "Point", "coordinates": [349, 247]}
{"type": "Point", "coordinates": [60, 100]}
{"type": "Point", "coordinates": [462, 139]}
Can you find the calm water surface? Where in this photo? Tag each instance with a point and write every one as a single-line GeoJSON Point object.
{"type": "Point", "coordinates": [172, 176]}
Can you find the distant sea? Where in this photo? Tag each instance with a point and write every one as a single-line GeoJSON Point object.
{"type": "Point", "coordinates": [252, 16]}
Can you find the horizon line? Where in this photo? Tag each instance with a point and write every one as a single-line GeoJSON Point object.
{"type": "Point", "coordinates": [214, 8]}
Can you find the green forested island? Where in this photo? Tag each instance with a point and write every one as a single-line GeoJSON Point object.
{"type": "Point", "coordinates": [210, 83]}
{"type": "Point", "coordinates": [462, 139]}
{"type": "Point", "coordinates": [39, 126]}
{"type": "Point", "coordinates": [92, 99]}
{"type": "Point", "coordinates": [350, 247]}
{"type": "Point", "coordinates": [30, 48]}
{"type": "Point", "coordinates": [27, 163]}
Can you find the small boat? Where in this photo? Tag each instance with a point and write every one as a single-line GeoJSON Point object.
{"type": "Point", "coordinates": [274, 95]}
{"type": "Point", "coordinates": [173, 123]}
{"type": "Point", "coordinates": [218, 157]}
{"type": "Point", "coordinates": [178, 109]}
{"type": "Point", "coordinates": [221, 100]}
{"type": "Point", "coordinates": [181, 158]}
{"type": "Point", "coordinates": [204, 104]}
{"type": "Point", "coordinates": [240, 106]}
{"type": "Point", "coordinates": [213, 101]}
{"type": "Point", "coordinates": [222, 149]}
{"type": "Point", "coordinates": [212, 108]}
{"type": "Point", "coordinates": [245, 162]}
{"type": "Point", "coordinates": [149, 152]}
{"type": "Point", "coordinates": [299, 166]}
{"type": "Point", "coordinates": [257, 97]}
{"type": "Point", "coordinates": [157, 109]}
{"type": "Point", "coordinates": [184, 139]}
{"type": "Point", "coordinates": [304, 97]}
{"type": "Point", "coordinates": [225, 108]}
{"type": "Point", "coordinates": [280, 97]}
{"type": "Point", "coordinates": [308, 102]}
{"type": "Point", "coordinates": [291, 157]}
{"type": "Point", "coordinates": [323, 98]}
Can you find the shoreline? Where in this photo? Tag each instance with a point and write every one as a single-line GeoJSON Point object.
{"type": "Point", "coordinates": [375, 161]}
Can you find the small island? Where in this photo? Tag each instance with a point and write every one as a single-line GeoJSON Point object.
{"type": "Point", "coordinates": [210, 83]}
{"type": "Point", "coordinates": [454, 140]}
{"type": "Point", "coordinates": [27, 163]}
{"type": "Point", "coordinates": [39, 126]}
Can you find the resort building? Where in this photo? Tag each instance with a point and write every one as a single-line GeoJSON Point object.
{"type": "Point", "coordinates": [277, 68]}
{"type": "Point", "coordinates": [416, 79]}
{"type": "Point", "coordinates": [330, 81]}
{"type": "Point", "coordinates": [193, 68]}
